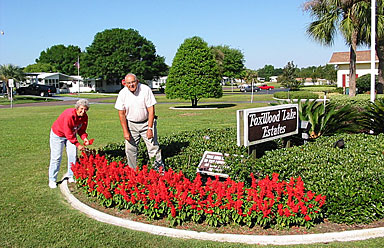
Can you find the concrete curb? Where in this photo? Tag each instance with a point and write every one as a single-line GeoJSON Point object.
{"type": "Point", "coordinates": [176, 108]}
{"type": "Point", "coordinates": [219, 237]}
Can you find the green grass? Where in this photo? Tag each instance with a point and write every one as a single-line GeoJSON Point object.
{"type": "Point", "coordinates": [25, 99]}
{"type": "Point", "coordinates": [226, 98]}
{"type": "Point", "coordinates": [32, 215]}
{"type": "Point", "coordinates": [89, 95]}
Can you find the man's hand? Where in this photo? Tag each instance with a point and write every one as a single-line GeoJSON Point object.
{"type": "Point", "coordinates": [86, 142]}
{"type": "Point", "coordinates": [149, 133]}
{"type": "Point", "coordinates": [127, 136]}
{"type": "Point", "coordinates": [81, 147]}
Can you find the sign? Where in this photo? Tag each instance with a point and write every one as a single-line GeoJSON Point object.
{"type": "Point", "coordinates": [11, 83]}
{"type": "Point", "coordinates": [212, 164]}
{"type": "Point", "coordinates": [259, 125]}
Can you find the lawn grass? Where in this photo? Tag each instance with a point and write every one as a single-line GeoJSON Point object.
{"type": "Point", "coordinates": [33, 215]}
{"type": "Point", "coordinates": [25, 99]}
{"type": "Point", "coordinates": [89, 95]}
{"type": "Point", "coordinates": [227, 97]}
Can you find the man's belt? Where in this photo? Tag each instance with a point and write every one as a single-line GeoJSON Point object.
{"type": "Point", "coordinates": [139, 122]}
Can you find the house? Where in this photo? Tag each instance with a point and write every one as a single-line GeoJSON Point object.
{"type": "Point", "coordinates": [157, 83]}
{"type": "Point", "coordinates": [70, 84]}
{"type": "Point", "coordinates": [273, 79]}
{"type": "Point", "coordinates": [363, 65]}
{"type": "Point", "coordinates": [313, 81]}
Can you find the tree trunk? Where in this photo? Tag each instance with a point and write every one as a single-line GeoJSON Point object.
{"type": "Point", "coordinates": [380, 54]}
{"type": "Point", "coordinates": [352, 65]}
{"type": "Point", "coordinates": [8, 90]}
{"type": "Point", "coordinates": [194, 102]}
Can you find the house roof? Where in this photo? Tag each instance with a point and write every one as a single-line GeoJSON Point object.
{"type": "Point", "coordinates": [343, 57]}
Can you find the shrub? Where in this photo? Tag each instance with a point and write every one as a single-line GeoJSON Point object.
{"type": "Point", "coordinates": [327, 119]}
{"type": "Point", "coordinates": [352, 178]}
{"type": "Point", "coordinates": [363, 83]}
{"type": "Point", "coordinates": [373, 117]}
{"type": "Point", "coordinates": [295, 95]}
{"type": "Point", "coordinates": [358, 102]}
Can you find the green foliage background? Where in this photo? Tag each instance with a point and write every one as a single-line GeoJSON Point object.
{"type": "Point", "coordinates": [61, 58]}
{"type": "Point", "coordinates": [117, 52]}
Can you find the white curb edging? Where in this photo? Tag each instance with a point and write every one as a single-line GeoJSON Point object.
{"type": "Point", "coordinates": [209, 108]}
{"type": "Point", "coordinates": [220, 237]}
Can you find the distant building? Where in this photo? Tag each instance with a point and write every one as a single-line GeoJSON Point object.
{"type": "Point", "coordinates": [363, 65]}
{"type": "Point", "coordinates": [70, 84]}
{"type": "Point", "coordinates": [157, 83]}
{"type": "Point", "coordinates": [313, 81]}
{"type": "Point", "coordinates": [273, 79]}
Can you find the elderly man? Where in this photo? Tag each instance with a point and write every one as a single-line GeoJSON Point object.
{"type": "Point", "coordinates": [136, 106]}
{"type": "Point", "coordinates": [63, 133]}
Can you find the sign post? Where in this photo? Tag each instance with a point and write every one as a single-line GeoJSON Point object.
{"type": "Point", "coordinates": [11, 84]}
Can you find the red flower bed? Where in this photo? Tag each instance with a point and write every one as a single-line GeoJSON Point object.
{"type": "Point", "coordinates": [268, 202]}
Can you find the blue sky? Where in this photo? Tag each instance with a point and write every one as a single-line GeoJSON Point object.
{"type": "Point", "coordinates": [267, 32]}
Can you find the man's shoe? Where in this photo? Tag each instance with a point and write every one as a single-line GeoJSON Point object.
{"type": "Point", "coordinates": [52, 184]}
{"type": "Point", "coordinates": [70, 179]}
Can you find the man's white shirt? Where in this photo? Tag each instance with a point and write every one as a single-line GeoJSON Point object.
{"type": "Point", "coordinates": [135, 104]}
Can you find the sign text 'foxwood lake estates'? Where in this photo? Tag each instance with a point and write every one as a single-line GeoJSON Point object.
{"type": "Point", "coordinates": [263, 124]}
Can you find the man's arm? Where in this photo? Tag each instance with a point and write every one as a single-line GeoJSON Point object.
{"type": "Point", "coordinates": [123, 122]}
{"type": "Point", "coordinates": [151, 118]}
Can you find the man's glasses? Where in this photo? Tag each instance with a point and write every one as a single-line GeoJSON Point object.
{"type": "Point", "coordinates": [132, 82]}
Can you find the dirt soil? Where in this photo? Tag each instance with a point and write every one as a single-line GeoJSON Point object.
{"type": "Point", "coordinates": [324, 227]}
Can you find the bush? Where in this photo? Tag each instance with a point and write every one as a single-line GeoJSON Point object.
{"type": "Point", "coordinates": [296, 95]}
{"type": "Point", "coordinates": [359, 102]}
{"type": "Point", "coordinates": [183, 151]}
{"type": "Point", "coordinates": [363, 83]}
{"type": "Point", "coordinates": [352, 178]}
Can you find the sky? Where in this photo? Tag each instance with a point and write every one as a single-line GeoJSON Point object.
{"type": "Point", "coordinates": [268, 32]}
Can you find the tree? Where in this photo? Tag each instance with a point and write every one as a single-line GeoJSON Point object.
{"type": "Point", "coordinates": [194, 73]}
{"type": "Point", "coordinates": [40, 67]}
{"type": "Point", "coordinates": [10, 71]}
{"type": "Point", "coordinates": [349, 16]}
{"type": "Point", "coordinates": [61, 58]}
{"type": "Point", "coordinates": [250, 76]}
{"type": "Point", "coordinates": [288, 79]}
{"type": "Point", "coordinates": [230, 61]}
{"type": "Point", "coordinates": [266, 72]}
{"type": "Point", "coordinates": [380, 42]}
{"type": "Point", "coordinates": [116, 52]}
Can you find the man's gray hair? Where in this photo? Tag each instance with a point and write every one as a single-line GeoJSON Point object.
{"type": "Point", "coordinates": [131, 74]}
{"type": "Point", "coordinates": [82, 102]}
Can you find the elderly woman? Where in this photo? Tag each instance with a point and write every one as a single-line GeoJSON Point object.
{"type": "Point", "coordinates": [63, 133]}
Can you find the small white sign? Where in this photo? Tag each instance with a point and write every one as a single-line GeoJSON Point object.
{"type": "Point", "coordinates": [11, 83]}
{"type": "Point", "coordinates": [212, 164]}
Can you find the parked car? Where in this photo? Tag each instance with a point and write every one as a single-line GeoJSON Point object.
{"type": "Point", "coordinates": [266, 87]}
{"type": "Point", "coordinates": [249, 89]}
{"type": "Point", "coordinates": [37, 90]}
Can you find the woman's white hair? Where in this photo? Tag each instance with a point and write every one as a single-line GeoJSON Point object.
{"type": "Point", "coordinates": [82, 102]}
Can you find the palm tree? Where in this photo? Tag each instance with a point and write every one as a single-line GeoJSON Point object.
{"type": "Point", "coordinates": [10, 71]}
{"type": "Point", "coordinates": [380, 41]}
{"type": "Point", "coordinates": [347, 16]}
